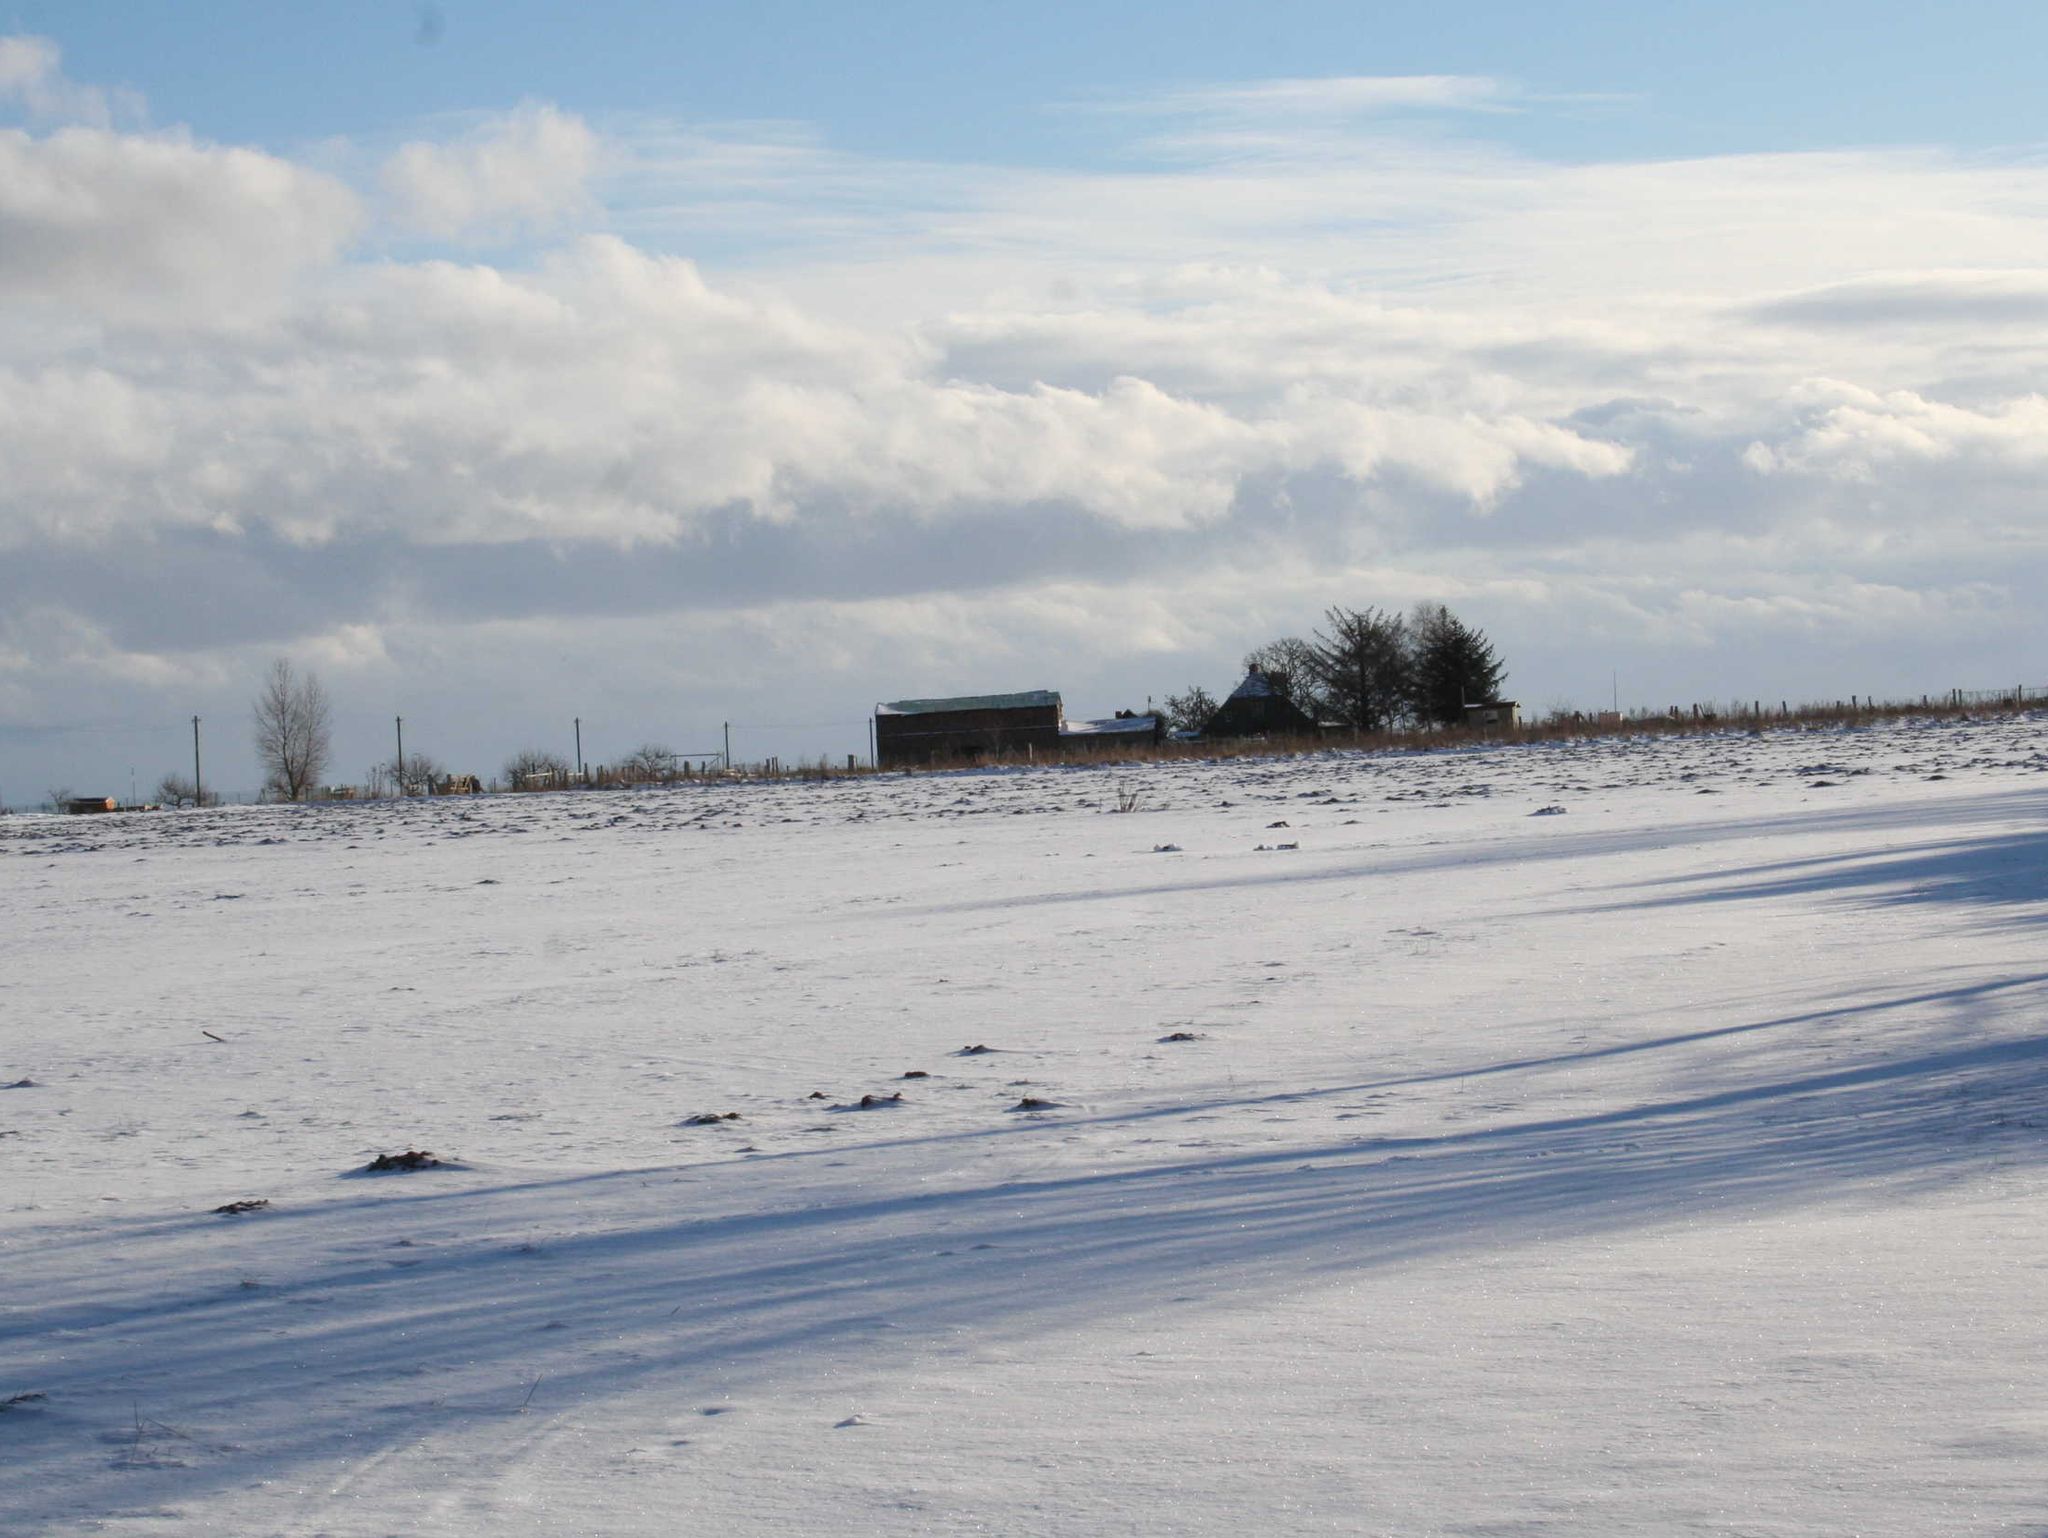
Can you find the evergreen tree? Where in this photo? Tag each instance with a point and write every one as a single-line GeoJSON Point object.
{"type": "Point", "coordinates": [1455, 666]}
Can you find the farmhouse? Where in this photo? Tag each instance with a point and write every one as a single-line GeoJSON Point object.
{"type": "Point", "coordinates": [967, 728]}
{"type": "Point", "coordinates": [1257, 709]}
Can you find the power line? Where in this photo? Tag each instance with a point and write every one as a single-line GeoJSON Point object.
{"type": "Point", "coordinates": [86, 729]}
{"type": "Point", "coordinates": [798, 726]}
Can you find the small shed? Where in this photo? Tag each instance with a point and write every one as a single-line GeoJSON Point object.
{"type": "Point", "coordinates": [1125, 729]}
{"type": "Point", "coordinates": [85, 806]}
{"type": "Point", "coordinates": [1493, 714]}
{"type": "Point", "coordinates": [1257, 709]}
{"type": "Point", "coordinates": [967, 728]}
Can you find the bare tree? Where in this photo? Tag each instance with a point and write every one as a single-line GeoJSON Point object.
{"type": "Point", "coordinates": [414, 775]}
{"type": "Point", "coordinates": [649, 761]}
{"type": "Point", "coordinates": [535, 769]}
{"type": "Point", "coordinates": [176, 790]}
{"type": "Point", "coordinates": [1189, 712]}
{"type": "Point", "coordinates": [292, 721]}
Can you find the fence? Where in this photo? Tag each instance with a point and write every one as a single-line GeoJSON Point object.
{"type": "Point", "coordinates": [2019, 694]}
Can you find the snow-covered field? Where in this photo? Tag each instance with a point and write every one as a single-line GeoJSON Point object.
{"type": "Point", "coordinates": [1676, 1162]}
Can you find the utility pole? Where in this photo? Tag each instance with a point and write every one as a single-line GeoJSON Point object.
{"type": "Point", "coordinates": [728, 747]}
{"type": "Point", "coordinates": [401, 756]}
{"type": "Point", "coordinates": [579, 750]}
{"type": "Point", "coordinates": [198, 791]}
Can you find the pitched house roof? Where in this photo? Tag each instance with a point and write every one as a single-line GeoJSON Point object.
{"type": "Point", "coordinates": [1256, 686]}
{"type": "Point", "coordinates": [1257, 709]}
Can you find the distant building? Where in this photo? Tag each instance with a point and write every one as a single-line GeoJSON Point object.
{"type": "Point", "coordinates": [1257, 709]}
{"type": "Point", "coordinates": [967, 728]}
{"type": "Point", "coordinates": [1126, 728]}
{"type": "Point", "coordinates": [1493, 714]}
{"type": "Point", "coordinates": [85, 806]}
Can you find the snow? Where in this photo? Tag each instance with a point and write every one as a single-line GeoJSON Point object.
{"type": "Point", "coordinates": [1671, 1163]}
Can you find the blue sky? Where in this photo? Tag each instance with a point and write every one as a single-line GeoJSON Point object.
{"type": "Point", "coordinates": [979, 81]}
{"type": "Point", "coordinates": [666, 366]}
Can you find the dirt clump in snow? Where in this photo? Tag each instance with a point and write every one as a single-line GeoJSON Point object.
{"type": "Point", "coordinates": [873, 1102]}
{"type": "Point", "coordinates": [411, 1159]}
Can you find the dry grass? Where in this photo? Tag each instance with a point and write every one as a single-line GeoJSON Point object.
{"type": "Point", "coordinates": [1556, 728]}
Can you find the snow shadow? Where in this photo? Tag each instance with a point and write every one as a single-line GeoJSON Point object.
{"type": "Point", "coordinates": [1985, 856]}
{"type": "Point", "coordinates": [722, 1280]}
{"type": "Point", "coordinates": [2004, 871]}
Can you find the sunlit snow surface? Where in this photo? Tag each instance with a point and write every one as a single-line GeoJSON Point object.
{"type": "Point", "coordinates": [1671, 1163]}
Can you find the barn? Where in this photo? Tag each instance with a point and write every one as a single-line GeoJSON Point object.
{"type": "Point", "coordinates": [1257, 709]}
{"type": "Point", "coordinates": [967, 728]}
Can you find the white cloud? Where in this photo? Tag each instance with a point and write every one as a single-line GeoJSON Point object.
{"type": "Point", "coordinates": [32, 79]}
{"type": "Point", "coordinates": [1327, 96]}
{"type": "Point", "coordinates": [528, 168]}
{"type": "Point", "coordinates": [1938, 299]}
{"type": "Point", "coordinates": [617, 397]}
{"type": "Point", "coordinates": [1858, 434]}
{"type": "Point", "coordinates": [129, 226]}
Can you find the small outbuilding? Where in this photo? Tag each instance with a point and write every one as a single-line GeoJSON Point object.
{"type": "Point", "coordinates": [967, 728]}
{"type": "Point", "coordinates": [1491, 715]}
{"type": "Point", "coordinates": [1125, 729]}
{"type": "Point", "coordinates": [1257, 709]}
{"type": "Point", "coordinates": [85, 806]}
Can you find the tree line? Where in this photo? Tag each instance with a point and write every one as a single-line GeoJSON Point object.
{"type": "Point", "coordinates": [1369, 669]}
{"type": "Point", "coordinates": [292, 723]}
{"type": "Point", "coordinates": [1365, 668]}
